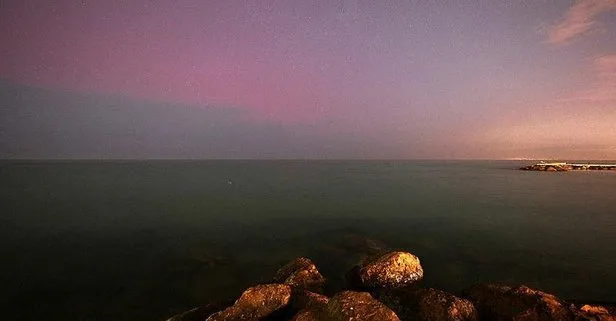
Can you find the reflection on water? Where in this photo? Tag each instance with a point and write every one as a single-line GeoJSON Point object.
{"type": "Point", "coordinates": [143, 240]}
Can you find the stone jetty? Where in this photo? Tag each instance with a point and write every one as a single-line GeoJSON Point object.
{"type": "Point", "coordinates": [388, 287]}
{"type": "Point", "coordinates": [564, 167]}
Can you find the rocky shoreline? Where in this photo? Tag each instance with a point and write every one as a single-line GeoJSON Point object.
{"type": "Point", "coordinates": [388, 286]}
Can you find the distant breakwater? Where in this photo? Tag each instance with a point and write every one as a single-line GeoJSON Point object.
{"type": "Point", "coordinates": [565, 167]}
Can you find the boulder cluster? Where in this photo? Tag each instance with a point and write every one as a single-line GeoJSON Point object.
{"type": "Point", "coordinates": [388, 287]}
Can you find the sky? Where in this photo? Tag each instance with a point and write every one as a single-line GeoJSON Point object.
{"type": "Point", "coordinates": [339, 79]}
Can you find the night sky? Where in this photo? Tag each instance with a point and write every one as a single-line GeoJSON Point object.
{"type": "Point", "coordinates": [308, 79]}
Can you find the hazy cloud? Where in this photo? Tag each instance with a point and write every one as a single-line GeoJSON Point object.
{"type": "Point", "coordinates": [606, 90]}
{"type": "Point", "coordinates": [554, 134]}
{"type": "Point", "coordinates": [582, 125]}
{"type": "Point", "coordinates": [579, 20]}
{"type": "Point", "coordinates": [603, 90]}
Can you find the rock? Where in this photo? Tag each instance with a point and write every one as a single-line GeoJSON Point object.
{"type": "Point", "coordinates": [309, 300]}
{"type": "Point", "coordinates": [301, 274]}
{"type": "Point", "coordinates": [358, 306]}
{"type": "Point", "coordinates": [256, 303]}
{"type": "Point", "coordinates": [392, 270]}
{"type": "Point", "coordinates": [439, 305]}
{"type": "Point", "coordinates": [428, 304]}
{"type": "Point", "coordinates": [310, 305]}
{"type": "Point", "coordinates": [594, 309]}
{"type": "Point", "coordinates": [306, 279]}
{"type": "Point", "coordinates": [306, 315]}
{"type": "Point", "coordinates": [298, 264]}
{"type": "Point", "coordinates": [501, 302]}
{"type": "Point", "coordinates": [592, 312]}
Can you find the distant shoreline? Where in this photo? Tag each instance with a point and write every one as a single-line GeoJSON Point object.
{"type": "Point", "coordinates": [565, 167]}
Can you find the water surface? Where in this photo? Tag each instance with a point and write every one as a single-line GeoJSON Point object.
{"type": "Point", "coordinates": [140, 240]}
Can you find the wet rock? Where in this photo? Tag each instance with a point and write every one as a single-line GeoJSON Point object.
{"type": "Point", "coordinates": [256, 303]}
{"type": "Point", "coordinates": [309, 300]}
{"type": "Point", "coordinates": [592, 313]}
{"type": "Point", "coordinates": [358, 306]}
{"type": "Point", "coordinates": [311, 306]}
{"type": "Point", "coordinates": [392, 270]}
{"type": "Point", "coordinates": [502, 302]}
{"type": "Point", "coordinates": [428, 304]}
{"type": "Point", "coordinates": [301, 274]}
{"type": "Point", "coordinates": [306, 279]}
{"type": "Point", "coordinates": [298, 264]}
{"type": "Point", "coordinates": [306, 315]}
{"type": "Point", "coordinates": [439, 305]}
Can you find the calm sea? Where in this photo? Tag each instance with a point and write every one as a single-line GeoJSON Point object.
{"type": "Point", "coordinates": [141, 240]}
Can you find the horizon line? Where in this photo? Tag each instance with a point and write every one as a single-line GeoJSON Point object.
{"type": "Point", "coordinates": [128, 159]}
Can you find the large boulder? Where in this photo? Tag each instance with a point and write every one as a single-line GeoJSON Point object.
{"type": "Point", "coordinates": [501, 302]}
{"type": "Point", "coordinates": [357, 306]}
{"type": "Point", "coordinates": [428, 304]}
{"type": "Point", "coordinates": [389, 271]}
{"type": "Point", "coordinates": [256, 303]}
{"type": "Point", "coordinates": [301, 274]}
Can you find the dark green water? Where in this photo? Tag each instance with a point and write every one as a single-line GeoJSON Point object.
{"type": "Point", "coordinates": [142, 240]}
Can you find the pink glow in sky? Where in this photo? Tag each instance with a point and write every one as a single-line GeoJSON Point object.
{"type": "Point", "coordinates": [331, 79]}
